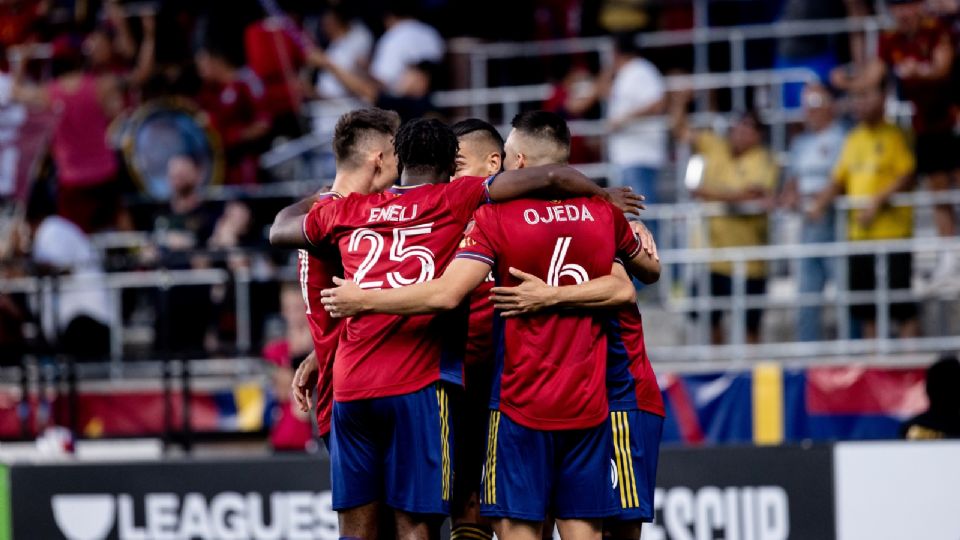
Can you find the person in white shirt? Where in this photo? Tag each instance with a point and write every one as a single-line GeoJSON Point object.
{"type": "Point", "coordinates": [76, 317]}
{"type": "Point", "coordinates": [406, 42]}
{"type": "Point", "coordinates": [813, 155]}
{"type": "Point", "coordinates": [350, 46]}
{"type": "Point", "coordinates": [638, 134]}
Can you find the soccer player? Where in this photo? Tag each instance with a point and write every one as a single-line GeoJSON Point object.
{"type": "Point", "coordinates": [636, 405]}
{"type": "Point", "coordinates": [550, 440]}
{"type": "Point", "coordinates": [480, 154]}
{"type": "Point", "coordinates": [366, 161]}
{"type": "Point", "coordinates": [390, 437]}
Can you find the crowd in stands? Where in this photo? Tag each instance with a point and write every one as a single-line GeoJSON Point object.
{"type": "Point", "coordinates": [146, 105]}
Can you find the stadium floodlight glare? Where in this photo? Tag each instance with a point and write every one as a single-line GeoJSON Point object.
{"type": "Point", "coordinates": [694, 174]}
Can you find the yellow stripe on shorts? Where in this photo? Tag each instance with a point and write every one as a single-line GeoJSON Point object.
{"type": "Point", "coordinates": [624, 460]}
{"type": "Point", "coordinates": [490, 469]}
{"type": "Point", "coordinates": [444, 403]}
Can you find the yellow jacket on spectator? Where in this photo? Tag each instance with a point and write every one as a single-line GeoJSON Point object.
{"type": "Point", "coordinates": [872, 159]}
{"type": "Point", "coordinates": [725, 172]}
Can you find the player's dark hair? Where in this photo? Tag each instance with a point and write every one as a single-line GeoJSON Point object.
{"type": "Point", "coordinates": [480, 127]}
{"type": "Point", "coordinates": [543, 125]}
{"type": "Point", "coordinates": [353, 127]}
{"type": "Point", "coordinates": [428, 147]}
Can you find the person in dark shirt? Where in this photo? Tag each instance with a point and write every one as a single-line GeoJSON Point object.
{"type": "Point", "coordinates": [942, 419]}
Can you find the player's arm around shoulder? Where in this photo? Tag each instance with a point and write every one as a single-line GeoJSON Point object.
{"type": "Point", "coordinates": [287, 229]}
{"type": "Point", "coordinates": [441, 294]}
{"type": "Point", "coordinates": [533, 295]}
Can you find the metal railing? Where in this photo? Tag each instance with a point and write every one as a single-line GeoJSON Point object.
{"type": "Point", "coordinates": [692, 265]}
{"type": "Point", "coordinates": [699, 37]}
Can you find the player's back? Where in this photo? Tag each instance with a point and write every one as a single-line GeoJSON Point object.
{"type": "Point", "coordinates": [388, 240]}
{"type": "Point", "coordinates": [552, 364]}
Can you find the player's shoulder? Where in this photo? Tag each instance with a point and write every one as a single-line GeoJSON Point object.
{"type": "Point", "coordinates": [325, 198]}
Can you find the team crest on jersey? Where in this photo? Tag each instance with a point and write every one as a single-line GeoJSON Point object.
{"type": "Point", "coordinates": [467, 241]}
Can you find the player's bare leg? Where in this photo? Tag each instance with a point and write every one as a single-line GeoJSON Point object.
{"type": "Point", "coordinates": [467, 522]}
{"type": "Point", "coordinates": [417, 526]}
{"type": "Point", "coordinates": [360, 522]}
{"type": "Point", "coordinates": [580, 529]}
{"type": "Point", "coordinates": [515, 529]}
{"type": "Point", "coordinates": [622, 530]}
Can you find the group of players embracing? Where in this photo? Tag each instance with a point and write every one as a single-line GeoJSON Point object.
{"type": "Point", "coordinates": [479, 352]}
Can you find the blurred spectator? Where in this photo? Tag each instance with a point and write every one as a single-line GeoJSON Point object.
{"type": "Point", "coordinates": [19, 20]}
{"type": "Point", "coordinates": [737, 169]}
{"type": "Point", "coordinates": [404, 67]}
{"type": "Point", "coordinates": [919, 53]}
{"type": "Point", "coordinates": [290, 428]}
{"type": "Point", "coordinates": [181, 232]}
{"type": "Point", "coordinates": [198, 234]}
{"type": "Point", "coordinates": [638, 139]}
{"type": "Point", "coordinates": [941, 420]}
{"type": "Point", "coordinates": [189, 221]}
{"type": "Point", "coordinates": [88, 192]}
{"type": "Point", "coordinates": [574, 97]}
{"type": "Point", "coordinates": [112, 49]}
{"type": "Point", "coordinates": [813, 155]}
{"type": "Point", "coordinates": [875, 163]}
{"type": "Point", "coordinates": [276, 58]}
{"type": "Point", "coordinates": [406, 43]}
{"type": "Point", "coordinates": [350, 43]}
{"type": "Point", "coordinates": [815, 52]}
{"type": "Point", "coordinates": [76, 319]}
{"type": "Point", "coordinates": [235, 114]}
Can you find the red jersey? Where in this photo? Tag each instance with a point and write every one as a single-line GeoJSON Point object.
{"type": "Point", "coordinates": [631, 383]}
{"type": "Point", "coordinates": [316, 270]}
{"type": "Point", "coordinates": [392, 239]}
{"type": "Point", "coordinates": [932, 100]}
{"type": "Point", "coordinates": [551, 367]}
{"type": "Point", "coordinates": [479, 349]}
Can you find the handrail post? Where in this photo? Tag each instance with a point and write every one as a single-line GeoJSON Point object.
{"type": "Point", "coordinates": [241, 281]}
{"type": "Point", "coordinates": [701, 58]}
{"type": "Point", "coordinates": [478, 79]}
{"type": "Point", "coordinates": [738, 311]}
{"type": "Point", "coordinates": [738, 63]}
{"type": "Point", "coordinates": [882, 299]}
{"type": "Point", "coordinates": [842, 279]}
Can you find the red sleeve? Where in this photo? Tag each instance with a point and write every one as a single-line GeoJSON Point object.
{"type": "Point", "coordinates": [479, 239]}
{"type": "Point", "coordinates": [319, 222]}
{"type": "Point", "coordinates": [628, 243]}
{"type": "Point", "coordinates": [466, 194]}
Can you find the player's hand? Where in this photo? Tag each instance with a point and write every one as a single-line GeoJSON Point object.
{"type": "Point", "coordinates": [626, 200]}
{"type": "Point", "coordinates": [343, 301]}
{"type": "Point", "coordinates": [530, 296]}
{"type": "Point", "coordinates": [304, 381]}
{"type": "Point", "coordinates": [646, 239]}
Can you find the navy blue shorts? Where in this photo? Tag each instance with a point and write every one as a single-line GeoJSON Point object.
{"type": "Point", "coordinates": [636, 449]}
{"type": "Point", "coordinates": [530, 472]}
{"type": "Point", "coordinates": [395, 449]}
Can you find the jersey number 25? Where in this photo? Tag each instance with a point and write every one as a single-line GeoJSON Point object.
{"type": "Point", "coordinates": [399, 252]}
